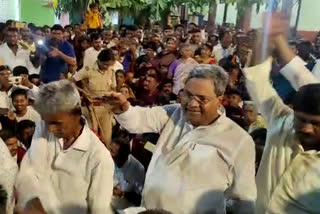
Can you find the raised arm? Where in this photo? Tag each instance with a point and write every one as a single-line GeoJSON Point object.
{"type": "Point", "coordinates": [294, 71]}
{"type": "Point", "coordinates": [137, 119]}
{"type": "Point", "coordinates": [258, 83]}
{"type": "Point", "coordinates": [140, 120]}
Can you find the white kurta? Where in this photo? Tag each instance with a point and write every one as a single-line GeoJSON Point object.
{"type": "Point", "coordinates": [8, 172]}
{"type": "Point", "coordinates": [77, 180]}
{"type": "Point", "coordinates": [194, 168]}
{"type": "Point", "coordinates": [288, 180]}
{"type": "Point", "coordinates": [21, 58]}
{"type": "Point", "coordinates": [90, 57]}
{"type": "Point", "coordinates": [220, 53]}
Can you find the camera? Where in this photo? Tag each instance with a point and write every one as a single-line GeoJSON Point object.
{"type": "Point", "coordinates": [15, 80]}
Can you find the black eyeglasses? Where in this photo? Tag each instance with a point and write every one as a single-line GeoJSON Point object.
{"type": "Point", "coordinates": [201, 99]}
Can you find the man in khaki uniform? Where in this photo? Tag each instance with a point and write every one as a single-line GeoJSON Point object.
{"type": "Point", "coordinates": [97, 80]}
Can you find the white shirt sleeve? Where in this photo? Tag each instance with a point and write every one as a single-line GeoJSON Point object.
{"type": "Point", "coordinates": [140, 120]}
{"type": "Point", "coordinates": [243, 189]}
{"type": "Point", "coordinates": [8, 172]}
{"type": "Point", "coordinates": [85, 59]}
{"type": "Point", "coordinates": [265, 97]}
{"type": "Point", "coordinates": [101, 187]}
{"type": "Point", "coordinates": [316, 70]}
{"type": "Point", "coordinates": [297, 74]}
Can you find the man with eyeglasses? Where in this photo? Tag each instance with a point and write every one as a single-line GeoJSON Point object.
{"type": "Point", "coordinates": [202, 158]}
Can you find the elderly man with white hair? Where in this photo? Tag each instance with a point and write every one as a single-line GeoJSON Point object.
{"type": "Point", "coordinates": [254, 121]}
{"type": "Point", "coordinates": [202, 158]}
{"type": "Point", "coordinates": [67, 167]}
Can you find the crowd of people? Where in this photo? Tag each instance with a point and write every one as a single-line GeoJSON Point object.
{"type": "Point", "coordinates": [158, 119]}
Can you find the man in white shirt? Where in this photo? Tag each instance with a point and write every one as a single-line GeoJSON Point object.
{"type": "Point", "coordinates": [202, 158]}
{"type": "Point", "coordinates": [91, 54]}
{"type": "Point", "coordinates": [117, 65]}
{"type": "Point", "coordinates": [22, 110]}
{"type": "Point", "coordinates": [224, 49]}
{"type": "Point", "coordinates": [67, 167]}
{"type": "Point", "coordinates": [12, 54]}
{"type": "Point", "coordinates": [129, 175]}
{"type": "Point", "coordinates": [288, 177]}
{"type": "Point", "coordinates": [8, 172]}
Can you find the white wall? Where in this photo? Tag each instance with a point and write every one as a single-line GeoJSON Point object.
{"type": "Point", "coordinates": [9, 9]}
{"type": "Point", "coordinates": [257, 18]}
{"type": "Point", "coordinates": [231, 15]}
{"type": "Point", "coordinates": [310, 16]}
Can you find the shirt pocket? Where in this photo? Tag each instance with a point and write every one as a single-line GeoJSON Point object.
{"type": "Point", "coordinates": [204, 167]}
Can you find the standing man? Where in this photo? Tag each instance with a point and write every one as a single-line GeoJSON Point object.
{"type": "Point", "coordinates": [12, 53]}
{"type": "Point", "coordinates": [224, 49]}
{"type": "Point", "coordinates": [67, 167]}
{"type": "Point", "coordinates": [55, 55]}
{"type": "Point", "coordinates": [202, 157]}
{"type": "Point", "coordinates": [99, 80]}
{"type": "Point", "coordinates": [91, 54]}
{"type": "Point", "coordinates": [288, 177]}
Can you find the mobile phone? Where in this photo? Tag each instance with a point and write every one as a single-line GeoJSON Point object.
{"type": "Point", "coordinates": [4, 111]}
{"type": "Point", "coordinates": [43, 46]}
{"type": "Point", "coordinates": [15, 80]}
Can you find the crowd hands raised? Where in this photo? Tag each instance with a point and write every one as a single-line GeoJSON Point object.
{"type": "Point", "coordinates": [151, 120]}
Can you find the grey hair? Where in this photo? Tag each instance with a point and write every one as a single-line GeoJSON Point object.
{"type": "Point", "coordinates": [250, 103]}
{"type": "Point", "coordinates": [58, 96]}
{"type": "Point", "coordinates": [215, 73]}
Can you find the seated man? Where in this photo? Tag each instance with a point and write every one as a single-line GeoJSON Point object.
{"type": "Point", "coordinates": [202, 158]}
{"type": "Point", "coordinates": [10, 139]}
{"type": "Point", "coordinates": [253, 120]}
{"type": "Point", "coordinates": [25, 131]}
{"type": "Point", "coordinates": [22, 110]}
{"type": "Point", "coordinates": [67, 166]}
{"type": "Point", "coordinates": [128, 176]}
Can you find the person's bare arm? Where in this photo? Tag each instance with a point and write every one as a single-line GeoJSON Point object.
{"type": "Point", "coordinates": [57, 53]}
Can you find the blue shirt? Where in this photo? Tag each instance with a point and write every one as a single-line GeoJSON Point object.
{"type": "Point", "coordinates": [53, 67]}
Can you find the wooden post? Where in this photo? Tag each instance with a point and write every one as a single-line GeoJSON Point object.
{"type": "Point", "coordinates": [212, 15]}
{"type": "Point", "coordinates": [298, 17]}
{"type": "Point", "coordinates": [225, 13]}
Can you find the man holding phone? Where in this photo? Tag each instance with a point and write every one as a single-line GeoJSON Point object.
{"type": "Point", "coordinates": [54, 55]}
